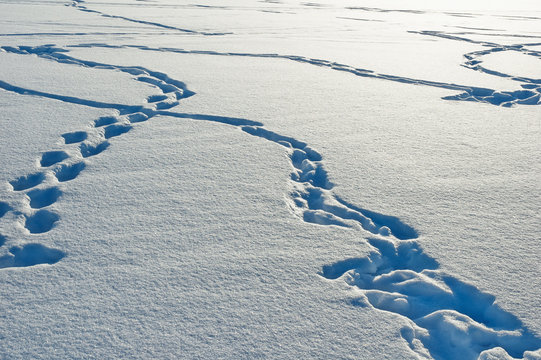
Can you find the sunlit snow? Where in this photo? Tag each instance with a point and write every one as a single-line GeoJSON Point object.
{"type": "Point", "coordinates": [270, 179]}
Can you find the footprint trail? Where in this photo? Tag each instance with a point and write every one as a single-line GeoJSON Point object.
{"type": "Point", "coordinates": [531, 93]}
{"type": "Point", "coordinates": [41, 189]}
{"type": "Point", "coordinates": [74, 137]}
{"type": "Point", "coordinates": [445, 318]}
{"type": "Point", "coordinates": [448, 319]}
{"type": "Point", "coordinates": [30, 255]}
{"type": "Point", "coordinates": [78, 4]}
{"type": "Point", "coordinates": [311, 197]}
{"type": "Point", "coordinates": [528, 96]}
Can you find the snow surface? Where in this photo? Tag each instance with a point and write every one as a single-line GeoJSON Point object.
{"type": "Point", "coordinates": [270, 179]}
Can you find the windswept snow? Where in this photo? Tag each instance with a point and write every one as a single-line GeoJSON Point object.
{"type": "Point", "coordinates": [270, 179]}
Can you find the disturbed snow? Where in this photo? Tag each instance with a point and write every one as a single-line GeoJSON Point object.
{"type": "Point", "coordinates": [270, 179]}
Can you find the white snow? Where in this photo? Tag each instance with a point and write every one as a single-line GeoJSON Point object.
{"type": "Point", "coordinates": [515, 63]}
{"type": "Point", "coordinates": [270, 179]}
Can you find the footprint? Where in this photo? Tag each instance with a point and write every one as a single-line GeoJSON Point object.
{"type": "Point", "coordinates": [30, 255]}
{"type": "Point", "coordinates": [27, 181]}
{"type": "Point", "coordinates": [88, 150]}
{"type": "Point", "coordinates": [398, 277]}
{"type": "Point", "coordinates": [74, 137]}
{"type": "Point", "coordinates": [68, 172]}
{"type": "Point", "coordinates": [399, 229]}
{"type": "Point", "coordinates": [40, 198]}
{"type": "Point", "coordinates": [156, 98]}
{"type": "Point", "coordinates": [42, 221]}
{"type": "Point", "coordinates": [4, 208]}
{"type": "Point", "coordinates": [137, 117]}
{"type": "Point", "coordinates": [312, 198]}
{"type": "Point", "coordinates": [165, 87]}
{"type": "Point", "coordinates": [447, 314]}
{"type": "Point", "coordinates": [168, 104]}
{"type": "Point", "coordinates": [116, 130]}
{"type": "Point", "coordinates": [135, 71]}
{"type": "Point", "coordinates": [52, 157]}
{"type": "Point", "coordinates": [105, 120]}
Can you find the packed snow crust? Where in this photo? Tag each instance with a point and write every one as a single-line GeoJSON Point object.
{"type": "Point", "coordinates": [271, 179]}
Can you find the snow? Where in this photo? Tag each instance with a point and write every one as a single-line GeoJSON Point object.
{"type": "Point", "coordinates": [270, 180]}
{"type": "Point", "coordinates": [515, 63]}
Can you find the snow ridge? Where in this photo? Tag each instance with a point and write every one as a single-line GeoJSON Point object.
{"type": "Point", "coordinates": [446, 318]}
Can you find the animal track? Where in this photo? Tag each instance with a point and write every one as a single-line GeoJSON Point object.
{"type": "Point", "coordinates": [156, 98]}
{"type": "Point", "coordinates": [30, 255]}
{"type": "Point", "coordinates": [311, 198]}
{"type": "Point", "coordinates": [41, 222]}
{"type": "Point", "coordinates": [105, 120]}
{"type": "Point", "coordinates": [399, 229]}
{"type": "Point", "coordinates": [68, 99]}
{"type": "Point", "coordinates": [468, 93]}
{"type": "Point", "coordinates": [74, 137]}
{"type": "Point", "coordinates": [446, 317]}
{"type": "Point", "coordinates": [27, 181]}
{"type": "Point", "coordinates": [44, 220]}
{"type": "Point", "coordinates": [52, 157]}
{"type": "Point", "coordinates": [137, 117]}
{"type": "Point", "coordinates": [168, 104]}
{"type": "Point", "coordinates": [68, 172]}
{"type": "Point", "coordinates": [78, 5]}
{"type": "Point", "coordinates": [116, 130]}
{"type": "Point", "coordinates": [385, 10]}
{"type": "Point", "coordinates": [4, 208]}
{"type": "Point", "coordinates": [40, 198]}
{"type": "Point", "coordinates": [88, 150]}
{"type": "Point", "coordinates": [451, 319]}
{"type": "Point", "coordinates": [397, 276]}
{"type": "Point", "coordinates": [532, 87]}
